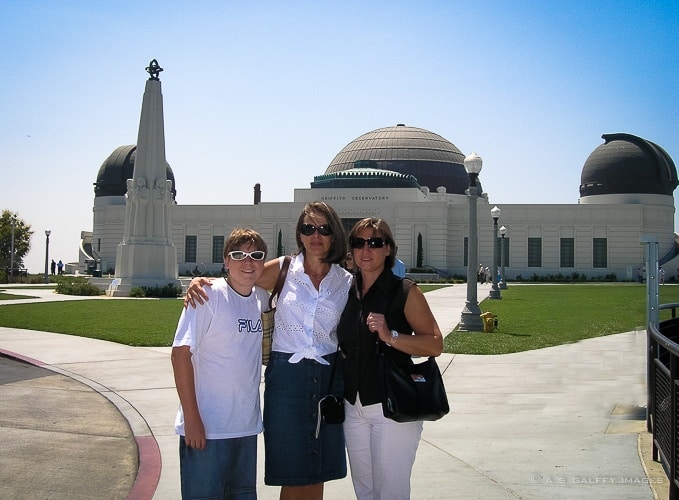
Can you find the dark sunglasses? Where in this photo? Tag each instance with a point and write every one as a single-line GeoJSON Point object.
{"type": "Point", "coordinates": [309, 229]}
{"type": "Point", "coordinates": [241, 255]}
{"type": "Point", "coordinates": [372, 242]}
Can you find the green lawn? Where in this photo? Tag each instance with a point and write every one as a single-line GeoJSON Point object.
{"type": "Point", "coordinates": [530, 317]}
{"type": "Point", "coordinates": [537, 316]}
{"type": "Point", "coordinates": [136, 322]}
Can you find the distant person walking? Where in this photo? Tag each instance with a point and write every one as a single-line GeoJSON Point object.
{"type": "Point", "coordinates": [60, 266]}
{"type": "Point", "coordinates": [53, 267]}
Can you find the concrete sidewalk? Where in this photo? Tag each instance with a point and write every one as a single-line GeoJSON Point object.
{"type": "Point", "coordinates": [561, 422]}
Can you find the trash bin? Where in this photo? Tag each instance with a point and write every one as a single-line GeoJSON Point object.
{"type": "Point", "coordinates": [489, 320]}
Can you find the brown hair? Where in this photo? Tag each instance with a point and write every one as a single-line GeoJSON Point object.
{"type": "Point", "coordinates": [380, 228]}
{"type": "Point", "coordinates": [338, 247]}
{"type": "Point", "coordinates": [242, 236]}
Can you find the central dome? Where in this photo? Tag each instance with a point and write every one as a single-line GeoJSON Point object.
{"type": "Point", "coordinates": [427, 156]}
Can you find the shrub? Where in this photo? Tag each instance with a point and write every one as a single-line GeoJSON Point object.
{"type": "Point", "coordinates": [77, 286]}
{"type": "Point", "coordinates": [137, 291]}
{"type": "Point", "coordinates": [169, 290]}
{"type": "Point", "coordinates": [34, 279]}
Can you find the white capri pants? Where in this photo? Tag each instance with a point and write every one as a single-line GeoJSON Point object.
{"type": "Point", "coordinates": [381, 452]}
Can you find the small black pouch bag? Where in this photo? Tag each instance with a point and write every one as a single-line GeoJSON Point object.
{"type": "Point", "coordinates": [330, 407]}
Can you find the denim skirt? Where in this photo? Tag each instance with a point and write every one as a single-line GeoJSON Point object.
{"type": "Point", "coordinates": [293, 455]}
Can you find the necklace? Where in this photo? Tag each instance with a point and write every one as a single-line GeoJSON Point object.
{"type": "Point", "coordinates": [317, 276]}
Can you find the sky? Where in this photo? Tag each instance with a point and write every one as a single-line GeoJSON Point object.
{"type": "Point", "coordinates": [269, 92]}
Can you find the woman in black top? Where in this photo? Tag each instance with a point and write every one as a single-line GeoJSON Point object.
{"type": "Point", "coordinates": [381, 307]}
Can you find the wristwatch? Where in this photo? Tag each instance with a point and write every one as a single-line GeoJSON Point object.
{"type": "Point", "coordinates": [394, 336]}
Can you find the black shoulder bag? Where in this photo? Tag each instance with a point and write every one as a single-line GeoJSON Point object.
{"type": "Point", "coordinates": [411, 391]}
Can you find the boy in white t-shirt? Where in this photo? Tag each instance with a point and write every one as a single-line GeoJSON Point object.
{"type": "Point", "coordinates": [216, 358]}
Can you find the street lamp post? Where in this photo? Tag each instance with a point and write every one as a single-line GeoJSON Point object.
{"type": "Point", "coordinates": [470, 320]}
{"type": "Point", "coordinates": [11, 254]}
{"type": "Point", "coordinates": [503, 282]}
{"type": "Point", "coordinates": [494, 290]}
{"type": "Point", "coordinates": [47, 252]}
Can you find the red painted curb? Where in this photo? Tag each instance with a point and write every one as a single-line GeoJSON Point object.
{"type": "Point", "coordinates": [25, 359]}
{"type": "Point", "coordinates": [150, 464]}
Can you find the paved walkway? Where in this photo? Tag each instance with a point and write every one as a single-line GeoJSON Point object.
{"type": "Point", "coordinates": [561, 422]}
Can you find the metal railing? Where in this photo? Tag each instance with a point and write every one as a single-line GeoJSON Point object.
{"type": "Point", "coordinates": [663, 394]}
{"type": "Point", "coordinates": [442, 273]}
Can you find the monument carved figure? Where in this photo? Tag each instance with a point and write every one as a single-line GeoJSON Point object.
{"type": "Point", "coordinates": [130, 211]}
{"type": "Point", "coordinates": [140, 199]}
{"type": "Point", "coordinates": [167, 206]}
{"type": "Point", "coordinates": [159, 199]}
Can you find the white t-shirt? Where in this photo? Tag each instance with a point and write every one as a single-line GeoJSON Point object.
{"type": "Point", "coordinates": [306, 318]}
{"type": "Point", "coordinates": [225, 337]}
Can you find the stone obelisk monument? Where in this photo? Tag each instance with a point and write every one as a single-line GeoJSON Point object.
{"type": "Point", "coordinates": [147, 256]}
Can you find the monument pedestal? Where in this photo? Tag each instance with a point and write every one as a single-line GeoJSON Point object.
{"type": "Point", "coordinates": [145, 264]}
{"type": "Point", "coordinates": [144, 261]}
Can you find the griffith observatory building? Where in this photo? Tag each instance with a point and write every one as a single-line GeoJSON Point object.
{"type": "Point", "coordinates": [416, 180]}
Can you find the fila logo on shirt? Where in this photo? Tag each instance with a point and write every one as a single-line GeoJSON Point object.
{"type": "Point", "coordinates": [248, 326]}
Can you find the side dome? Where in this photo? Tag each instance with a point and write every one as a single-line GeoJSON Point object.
{"type": "Point", "coordinates": [117, 168]}
{"type": "Point", "coordinates": [627, 164]}
{"type": "Point", "coordinates": [410, 151]}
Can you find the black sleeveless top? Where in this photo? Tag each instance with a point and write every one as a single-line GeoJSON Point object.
{"type": "Point", "coordinates": [360, 346]}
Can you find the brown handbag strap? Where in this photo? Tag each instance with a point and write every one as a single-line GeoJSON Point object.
{"type": "Point", "coordinates": [280, 281]}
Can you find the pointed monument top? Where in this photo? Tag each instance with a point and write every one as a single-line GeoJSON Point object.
{"type": "Point", "coordinates": [154, 69]}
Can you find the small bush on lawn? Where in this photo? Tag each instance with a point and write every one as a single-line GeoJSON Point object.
{"type": "Point", "coordinates": [168, 291]}
{"type": "Point", "coordinates": [77, 286]}
{"type": "Point", "coordinates": [137, 291]}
